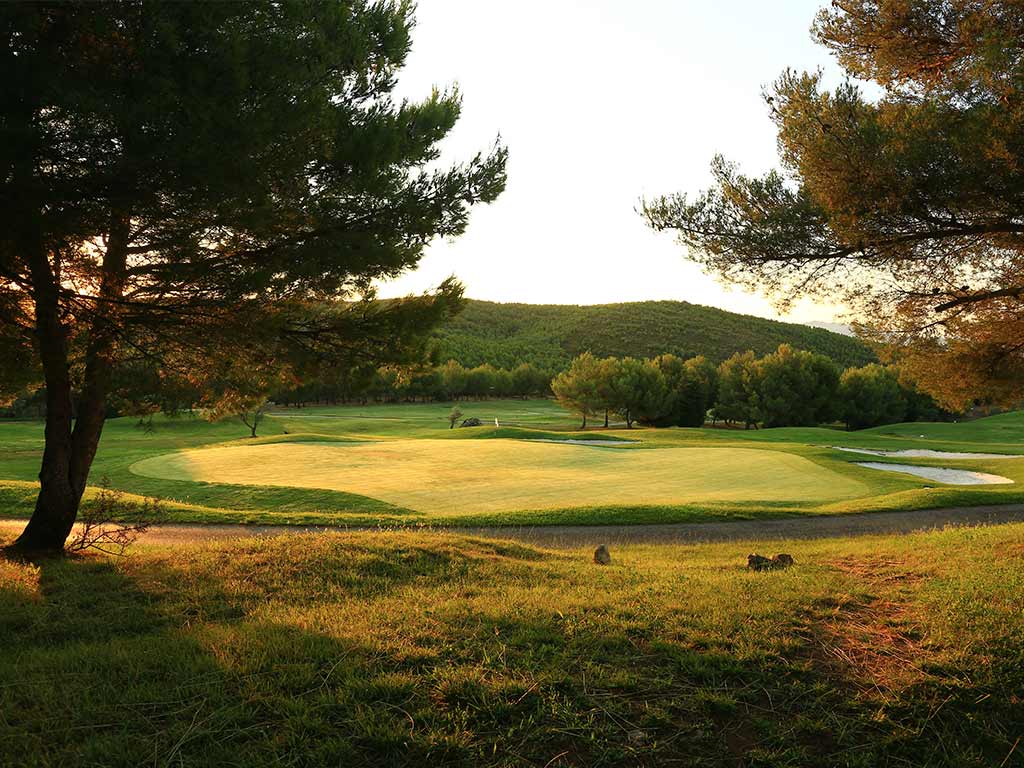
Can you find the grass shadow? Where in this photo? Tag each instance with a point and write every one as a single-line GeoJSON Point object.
{"type": "Point", "coordinates": [360, 650]}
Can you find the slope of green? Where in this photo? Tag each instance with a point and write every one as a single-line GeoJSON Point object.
{"type": "Point", "coordinates": [1002, 433]}
{"type": "Point", "coordinates": [549, 335]}
{"type": "Point", "coordinates": [461, 477]}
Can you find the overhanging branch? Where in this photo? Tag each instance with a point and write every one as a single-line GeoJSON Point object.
{"type": "Point", "coordinates": [974, 298]}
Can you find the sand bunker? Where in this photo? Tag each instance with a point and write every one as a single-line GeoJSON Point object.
{"type": "Point", "coordinates": [940, 475]}
{"type": "Point", "coordinates": [925, 453]}
{"type": "Point", "coordinates": [601, 443]}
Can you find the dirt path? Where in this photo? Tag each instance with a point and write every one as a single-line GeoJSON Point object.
{"type": "Point", "coordinates": [571, 536]}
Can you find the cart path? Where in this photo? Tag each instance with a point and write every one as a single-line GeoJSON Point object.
{"type": "Point", "coordinates": [572, 536]}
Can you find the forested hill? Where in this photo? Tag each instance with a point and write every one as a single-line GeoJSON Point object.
{"type": "Point", "coordinates": [549, 335]}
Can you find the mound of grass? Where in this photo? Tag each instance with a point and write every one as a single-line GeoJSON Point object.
{"type": "Point", "coordinates": [453, 477]}
{"type": "Point", "coordinates": [427, 649]}
{"type": "Point", "coordinates": [1003, 433]}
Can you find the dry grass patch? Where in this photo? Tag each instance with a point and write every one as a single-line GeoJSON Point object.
{"type": "Point", "coordinates": [875, 641]}
{"type": "Point", "coordinates": [875, 644]}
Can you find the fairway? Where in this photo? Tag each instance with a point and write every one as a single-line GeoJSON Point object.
{"type": "Point", "coordinates": [469, 476]}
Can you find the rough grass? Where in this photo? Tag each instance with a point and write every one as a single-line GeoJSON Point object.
{"type": "Point", "coordinates": [502, 491]}
{"type": "Point", "coordinates": [400, 649]}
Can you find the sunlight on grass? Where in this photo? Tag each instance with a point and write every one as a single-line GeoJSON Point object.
{"type": "Point", "coordinates": [696, 490]}
{"type": "Point", "coordinates": [464, 476]}
{"type": "Point", "coordinates": [424, 649]}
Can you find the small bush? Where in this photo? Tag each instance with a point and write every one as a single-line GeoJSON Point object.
{"type": "Point", "coordinates": [110, 524]}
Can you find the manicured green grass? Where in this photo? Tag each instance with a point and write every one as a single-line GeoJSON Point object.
{"type": "Point", "coordinates": [401, 464]}
{"type": "Point", "coordinates": [1003, 433]}
{"type": "Point", "coordinates": [413, 649]}
{"type": "Point", "coordinates": [457, 477]}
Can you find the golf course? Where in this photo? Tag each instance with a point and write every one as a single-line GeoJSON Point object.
{"type": "Point", "coordinates": [426, 639]}
{"type": "Point", "coordinates": [433, 384]}
{"type": "Point", "coordinates": [526, 465]}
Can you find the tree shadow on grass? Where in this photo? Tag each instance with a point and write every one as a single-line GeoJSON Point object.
{"type": "Point", "coordinates": [167, 659]}
{"type": "Point", "coordinates": [177, 660]}
{"type": "Point", "coordinates": [919, 707]}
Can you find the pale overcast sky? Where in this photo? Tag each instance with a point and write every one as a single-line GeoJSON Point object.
{"type": "Point", "coordinates": [601, 102]}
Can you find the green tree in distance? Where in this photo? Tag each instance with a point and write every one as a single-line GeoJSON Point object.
{"type": "Point", "coordinates": [906, 206]}
{"type": "Point", "coordinates": [736, 399]}
{"type": "Point", "coordinates": [480, 381]}
{"type": "Point", "coordinates": [185, 181]}
{"type": "Point", "coordinates": [549, 336]}
{"type": "Point", "coordinates": [673, 372]}
{"type": "Point", "coordinates": [690, 390]}
{"type": "Point", "coordinates": [607, 370]}
{"type": "Point", "coordinates": [871, 396]}
{"type": "Point", "coordinates": [637, 391]}
{"type": "Point", "coordinates": [700, 388]}
{"type": "Point", "coordinates": [453, 417]}
{"type": "Point", "coordinates": [453, 379]}
{"type": "Point", "coordinates": [576, 388]}
{"type": "Point", "coordinates": [795, 388]}
{"type": "Point", "coordinates": [527, 380]}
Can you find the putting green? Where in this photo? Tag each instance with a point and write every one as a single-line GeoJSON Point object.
{"type": "Point", "coordinates": [471, 476]}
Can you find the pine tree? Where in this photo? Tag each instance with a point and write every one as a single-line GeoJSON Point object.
{"type": "Point", "coordinates": [189, 182]}
{"type": "Point", "coordinates": [906, 206]}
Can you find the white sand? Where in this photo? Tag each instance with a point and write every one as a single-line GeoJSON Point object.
{"type": "Point", "coordinates": [925, 453]}
{"type": "Point", "coordinates": [940, 475]}
{"type": "Point", "coordinates": [601, 443]}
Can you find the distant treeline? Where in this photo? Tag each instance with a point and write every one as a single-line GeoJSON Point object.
{"type": "Point", "coordinates": [788, 387]}
{"type": "Point", "coordinates": [549, 336]}
{"type": "Point", "coordinates": [447, 382]}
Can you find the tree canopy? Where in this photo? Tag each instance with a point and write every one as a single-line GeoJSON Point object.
{"type": "Point", "coordinates": [737, 396]}
{"type": "Point", "coordinates": [906, 206]}
{"type": "Point", "coordinates": [871, 396]}
{"type": "Point", "coordinates": [795, 388]}
{"type": "Point", "coordinates": [577, 387]}
{"type": "Point", "coordinates": [205, 183]}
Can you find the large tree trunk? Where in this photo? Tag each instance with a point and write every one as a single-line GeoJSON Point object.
{"type": "Point", "coordinates": [57, 504]}
{"type": "Point", "coordinates": [69, 451]}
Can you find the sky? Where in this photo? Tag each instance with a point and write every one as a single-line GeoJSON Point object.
{"type": "Point", "coordinates": [601, 103]}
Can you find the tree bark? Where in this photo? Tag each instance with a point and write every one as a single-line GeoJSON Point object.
{"type": "Point", "coordinates": [56, 505]}
{"type": "Point", "coordinates": [70, 441]}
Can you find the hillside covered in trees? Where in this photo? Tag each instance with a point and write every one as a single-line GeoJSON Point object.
{"type": "Point", "coordinates": [550, 335]}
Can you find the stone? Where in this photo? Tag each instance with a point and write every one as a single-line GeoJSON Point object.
{"type": "Point", "coordinates": [758, 562]}
{"type": "Point", "coordinates": [602, 556]}
{"type": "Point", "coordinates": [471, 422]}
{"type": "Point", "coordinates": [777, 563]}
